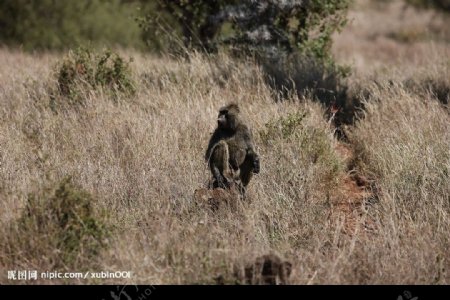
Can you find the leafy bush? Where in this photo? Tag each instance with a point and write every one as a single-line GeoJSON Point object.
{"type": "Point", "coordinates": [291, 39]}
{"type": "Point", "coordinates": [265, 27]}
{"type": "Point", "coordinates": [283, 128]}
{"type": "Point", "coordinates": [82, 68]}
{"type": "Point", "coordinates": [59, 224]}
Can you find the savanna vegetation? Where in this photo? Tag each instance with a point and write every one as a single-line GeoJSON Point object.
{"type": "Point", "coordinates": [101, 151]}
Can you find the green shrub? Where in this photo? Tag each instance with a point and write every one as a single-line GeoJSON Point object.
{"type": "Point", "coordinates": [59, 226]}
{"type": "Point", "coordinates": [290, 39]}
{"type": "Point", "coordinates": [257, 26]}
{"type": "Point", "coordinates": [283, 128]}
{"type": "Point", "coordinates": [83, 69]}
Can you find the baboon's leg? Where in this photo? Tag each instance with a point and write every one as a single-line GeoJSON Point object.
{"type": "Point", "coordinates": [254, 158]}
{"type": "Point", "coordinates": [248, 167]}
{"type": "Point", "coordinates": [246, 172]}
{"type": "Point", "coordinates": [218, 163]}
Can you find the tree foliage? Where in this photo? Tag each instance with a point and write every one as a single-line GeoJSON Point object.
{"type": "Point", "coordinates": [266, 26]}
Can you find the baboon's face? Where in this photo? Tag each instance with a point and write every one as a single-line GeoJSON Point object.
{"type": "Point", "coordinates": [226, 119]}
{"type": "Point", "coordinates": [222, 119]}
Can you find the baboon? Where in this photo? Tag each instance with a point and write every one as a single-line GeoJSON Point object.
{"type": "Point", "coordinates": [231, 155]}
{"type": "Point", "coordinates": [267, 269]}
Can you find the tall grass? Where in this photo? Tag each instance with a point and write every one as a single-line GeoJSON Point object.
{"type": "Point", "coordinates": [135, 160]}
{"type": "Point", "coordinates": [403, 143]}
{"type": "Point", "coordinates": [142, 159]}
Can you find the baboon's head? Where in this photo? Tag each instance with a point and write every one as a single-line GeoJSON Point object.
{"type": "Point", "coordinates": [228, 117]}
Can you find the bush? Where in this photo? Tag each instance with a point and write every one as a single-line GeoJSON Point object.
{"type": "Point", "coordinates": [257, 27]}
{"type": "Point", "coordinates": [284, 128]}
{"type": "Point", "coordinates": [60, 227]}
{"type": "Point", "coordinates": [83, 69]}
{"type": "Point", "coordinates": [290, 39]}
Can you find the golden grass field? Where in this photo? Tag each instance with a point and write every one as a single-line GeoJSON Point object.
{"type": "Point", "coordinates": [142, 157]}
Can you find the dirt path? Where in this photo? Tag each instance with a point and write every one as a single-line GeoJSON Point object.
{"type": "Point", "coordinates": [348, 203]}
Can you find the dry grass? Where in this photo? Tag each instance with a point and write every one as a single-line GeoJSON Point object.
{"type": "Point", "coordinates": [141, 159]}
{"type": "Point", "coordinates": [403, 143]}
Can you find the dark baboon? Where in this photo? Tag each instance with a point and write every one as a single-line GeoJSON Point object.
{"type": "Point", "coordinates": [266, 269]}
{"type": "Point", "coordinates": [231, 155]}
